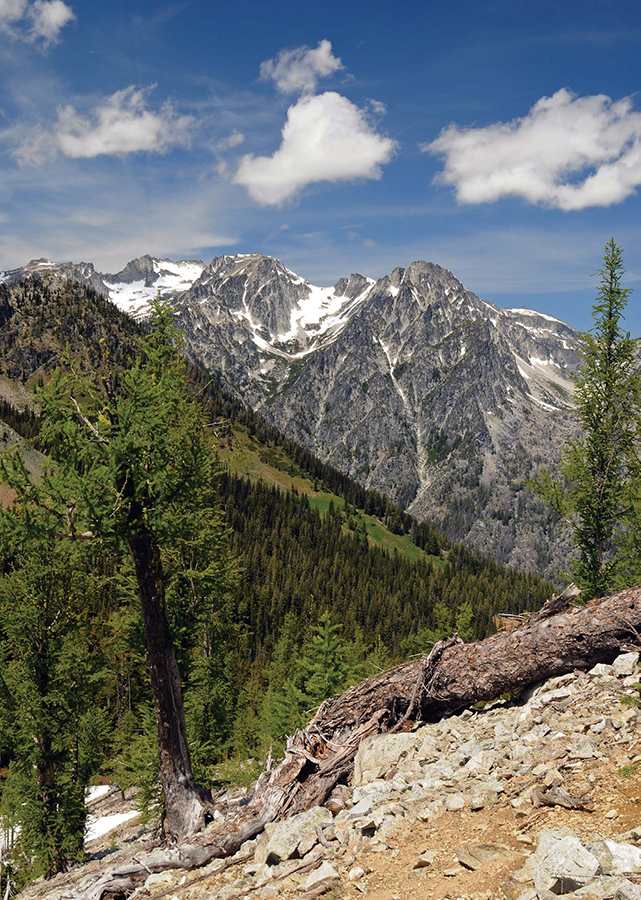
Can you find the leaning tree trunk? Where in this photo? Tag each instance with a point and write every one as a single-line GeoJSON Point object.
{"type": "Point", "coordinates": [452, 677]}
{"type": "Point", "coordinates": [184, 801]}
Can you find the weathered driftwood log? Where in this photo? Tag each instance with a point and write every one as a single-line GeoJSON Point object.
{"type": "Point", "coordinates": [558, 639]}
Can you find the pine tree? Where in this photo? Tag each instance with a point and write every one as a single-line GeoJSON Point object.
{"type": "Point", "coordinates": [48, 673]}
{"type": "Point", "coordinates": [135, 442]}
{"type": "Point", "coordinates": [280, 712]}
{"type": "Point", "coordinates": [464, 622]}
{"type": "Point", "coordinates": [597, 468]}
{"type": "Point", "coordinates": [323, 667]}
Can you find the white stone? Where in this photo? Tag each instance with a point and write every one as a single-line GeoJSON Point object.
{"type": "Point", "coordinates": [325, 874]}
{"type": "Point", "coordinates": [617, 858]}
{"type": "Point", "coordinates": [454, 802]}
{"type": "Point", "coordinates": [281, 840]}
{"type": "Point", "coordinates": [601, 669]}
{"type": "Point", "coordinates": [625, 664]}
{"type": "Point", "coordinates": [356, 873]}
{"type": "Point", "coordinates": [379, 754]}
{"type": "Point", "coordinates": [560, 855]}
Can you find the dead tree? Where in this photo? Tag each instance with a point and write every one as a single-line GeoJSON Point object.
{"type": "Point", "coordinates": [558, 639]}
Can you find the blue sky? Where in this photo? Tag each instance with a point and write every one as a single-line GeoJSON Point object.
{"type": "Point", "coordinates": [413, 130]}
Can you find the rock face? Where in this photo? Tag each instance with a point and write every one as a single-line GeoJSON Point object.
{"type": "Point", "coordinates": [411, 384]}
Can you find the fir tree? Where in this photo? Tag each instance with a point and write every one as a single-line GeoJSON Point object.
{"type": "Point", "coordinates": [323, 668]}
{"type": "Point", "coordinates": [47, 672]}
{"type": "Point", "coordinates": [597, 468]}
{"type": "Point", "coordinates": [280, 709]}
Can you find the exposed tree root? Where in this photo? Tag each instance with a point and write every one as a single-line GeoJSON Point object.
{"type": "Point", "coordinates": [558, 639]}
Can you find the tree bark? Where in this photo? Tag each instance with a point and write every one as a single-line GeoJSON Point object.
{"type": "Point", "coordinates": [184, 802]}
{"type": "Point", "coordinates": [452, 677]}
{"type": "Point", "coordinates": [558, 639]}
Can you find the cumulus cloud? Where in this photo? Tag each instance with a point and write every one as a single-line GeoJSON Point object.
{"type": "Point", "coordinates": [123, 123]}
{"type": "Point", "coordinates": [297, 71]}
{"type": "Point", "coordinates": [234, 139]}
{"type": "Point", "coordinates": [41, 21]}
{"type": "Point", "coordinates": [568, 152]}
{"type": "Point", "coordinates": [325, 138]}
{"type": "Point", "coordinates": [48, 18]}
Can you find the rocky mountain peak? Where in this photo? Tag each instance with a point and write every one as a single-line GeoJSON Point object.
{"type": "Point", "coordinates": [142, 267]}
{"type": "Point", "coordinates": [353, 285]}
{"type": "Point", "coordinates": [411, 384]}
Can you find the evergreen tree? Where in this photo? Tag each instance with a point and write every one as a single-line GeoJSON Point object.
{"type": "Point", "coordinates": [464, 622]}
{"type": "Point", "coordinates": [323, 668]}
{"type": "Point", "coordinates": [48, 673]}
{"type": "Point", "coordinates": [280, 709]}
{"type": "Point", "coordinates": [597, 468]}
{"type": "Point", "coordinates": [135, 442]}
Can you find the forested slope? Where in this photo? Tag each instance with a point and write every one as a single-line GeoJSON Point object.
{"type": "Point", "coordinates": [331, 577]}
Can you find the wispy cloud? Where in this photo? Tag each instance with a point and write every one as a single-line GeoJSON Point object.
{"type": "Point", "coordinates": [298, 71]}
{"type": "Point", "coordinates": [40, 21]}
{"type": "Point", "coordinates": [110, 218]}
{"type": "Point", "coordinates": [568, 152]}
{"type": "Point", "coordinates": [230, 141]}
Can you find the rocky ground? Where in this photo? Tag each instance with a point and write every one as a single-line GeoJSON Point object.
{"type": "Point", "coordinates": [523, 801]}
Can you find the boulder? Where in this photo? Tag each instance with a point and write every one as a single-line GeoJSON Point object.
{"type": "Point", "coordinates": [625, 664]}
{"type": "Point", "coordinates": [282, 840]}
{"type": "Point", "coordinates": [600, 670]}
{"type": "Point", "coordinates": [616, 858]}
{"type": "Point", "coordinates": [379, 755]}
{"type": "Point", "coordinates": [325, 877]}
{"type": "Point", "coordinates": [583, 749]}
{"type": "Point", "coordinates": [561, 863]}
{"type": "Point", "coordinates": [608, 887]}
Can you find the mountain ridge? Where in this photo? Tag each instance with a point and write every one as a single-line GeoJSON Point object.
{"type": "Point", "coordinates": [411, 383]}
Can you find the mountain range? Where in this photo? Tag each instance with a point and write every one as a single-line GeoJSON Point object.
{"type": "Point", "coordinates": [410, 383]}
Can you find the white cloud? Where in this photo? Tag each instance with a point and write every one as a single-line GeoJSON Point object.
{"type": "Point", "coordinates": [325, 138]}
{"type": "Point", "coordinates": [42, 20]}
{"type": "Point", "coordinates": [48, 18]}
{"type": "Point", "coordinates": [377, 107]}
{"type": "Point", "coordinates": [12, 11]}
{"type": "Point", "coordinates": [121, 124]}
{"type": "Point", "coordinates": [34, 147]}
{"type": "Point", "coordinates": [234, 139]}
{"type": "Point", "coordinates": [568, 152]}
{"type": "Point", "coordinates": [297, 71]}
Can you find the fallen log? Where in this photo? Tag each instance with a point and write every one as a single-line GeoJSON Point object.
{"type": "Point", "coordinates": [454, 676]}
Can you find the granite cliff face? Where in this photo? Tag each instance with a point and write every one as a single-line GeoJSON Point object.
{"type": "Point", "coordinates": [411, 384]}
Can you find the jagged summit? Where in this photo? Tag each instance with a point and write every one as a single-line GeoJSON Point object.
{"type": "Point", "coordinates": [410, 383]}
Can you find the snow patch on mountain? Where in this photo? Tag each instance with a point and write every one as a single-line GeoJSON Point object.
{"type": "Point", "coordinates": [163, 277]}
{"type": "Point", "coordinates": [533, 312]}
